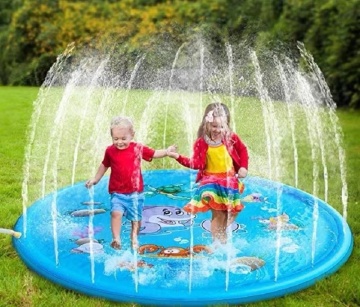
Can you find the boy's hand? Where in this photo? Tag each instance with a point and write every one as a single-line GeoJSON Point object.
{"type": "Point", "coordinates": [90, 183]}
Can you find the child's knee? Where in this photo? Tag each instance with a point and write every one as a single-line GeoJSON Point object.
{"type": "Point", "coordinates": [116, 214]}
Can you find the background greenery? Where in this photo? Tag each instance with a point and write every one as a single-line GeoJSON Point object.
{"type": "Point", "coordinates": [34, 32]}
{"type": "Point", "coordinates": [21, 287]}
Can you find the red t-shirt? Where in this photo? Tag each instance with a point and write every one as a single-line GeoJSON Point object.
{"type": "Point", "coordinates": [125, 164]}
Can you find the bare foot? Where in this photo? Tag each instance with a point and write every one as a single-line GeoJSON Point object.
{"type": "Point", "coordinates": [115, 244]}
{"type": "Point", "coordinates": [135, 245]}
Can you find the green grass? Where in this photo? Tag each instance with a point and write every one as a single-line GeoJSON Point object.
{"type": "Point", "coordinates": [21, 287]}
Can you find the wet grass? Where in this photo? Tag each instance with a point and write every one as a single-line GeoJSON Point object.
{"type": "Point", "coordinates": [21, 287]}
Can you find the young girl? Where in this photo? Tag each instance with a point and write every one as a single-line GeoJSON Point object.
{"type": "Point", "coordinates": [221, 158]}
{"type": "Point", "coordinates": [126, 182]}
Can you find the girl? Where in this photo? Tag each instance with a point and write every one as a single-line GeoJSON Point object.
{"type": "Point", "coordinates": [221, 158]}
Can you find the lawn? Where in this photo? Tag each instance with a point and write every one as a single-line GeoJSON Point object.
{"type": "Point", "coordinates": [21, 287]}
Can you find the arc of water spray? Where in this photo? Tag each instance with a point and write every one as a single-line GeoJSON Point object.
{"type": "Point", "coordinates": [103, 113]}
{"type": "Point", "coordinates": [56, 131]}
{"type": "Point", "coordinates": [273, 143]}
{"type": "Point", "coordinates": [99, 70]}
{"type": "Point", "coordinates": [189, 122]}
{"type": "Point", "coordinates": [270, 120]}
{"type": "Point", "coordinates": [38, 106]}
{"type": "Point", "coordinates": [148, 115]}
{"type": "Point", "coordinates": [168, 94]}
{"type": "Point", "coordinates": [314, 136]}
{"type": "Point", "coordinates": [266, 126]}
{"type": "Point", "coordinates": [315, 130]}
{"type": "Point", "coordinates": [91, 235]}
{"type": "Point", "coordinates": [187, 116]}
{"type": "Point", "coordinates": [99, 123]}
{"type": "Point", "coordinates": [129, 84]}
{"type": "Point", "coordinates": [231, 68]}
{"type": "Point", "coordinates": [229, 53]}
{"type": "Point", "coordinates": [58, 125]}
{"type": "Point", "coordinates": [319, 139]}
{"type": "Point", "coordinates": [96, 75]}
{"type": "Point", "coordinates": [202, 49]}
{"type": "Point", "coordinates": [279, 191]}
{"type": "Point", "coordinates": [313, 116]}
{"type": "Point", "coordinates": [291, 120]}
{"type": "Point", "coordinates": [337, 131]}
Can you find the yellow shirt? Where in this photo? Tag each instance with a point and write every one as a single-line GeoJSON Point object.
{"type": "Point", "coordinates": [218, 159]}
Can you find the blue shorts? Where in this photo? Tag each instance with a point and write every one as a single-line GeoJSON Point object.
{"type": "Point", "coordinates": [130, 205]}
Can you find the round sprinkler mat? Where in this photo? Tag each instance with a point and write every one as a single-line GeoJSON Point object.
{"type": "Point", "coordinates": [283, 241]}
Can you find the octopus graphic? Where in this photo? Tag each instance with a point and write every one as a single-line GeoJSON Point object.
{"type": "Point", "coordinates": [156, 218]}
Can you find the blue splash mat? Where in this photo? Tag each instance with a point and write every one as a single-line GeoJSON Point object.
{"type": "Point", "coordinates": [283, 241]}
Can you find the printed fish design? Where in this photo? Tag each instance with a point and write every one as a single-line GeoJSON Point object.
{"type": "Point", "coordinates": [86, 212]}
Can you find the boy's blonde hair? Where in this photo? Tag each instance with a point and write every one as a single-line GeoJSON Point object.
{"type": "Point", "coordinates": [122, 121]}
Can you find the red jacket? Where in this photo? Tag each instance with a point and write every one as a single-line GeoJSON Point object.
{"type": "Point", "coordinates": [234, 146]}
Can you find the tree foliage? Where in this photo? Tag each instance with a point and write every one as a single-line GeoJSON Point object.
{"type": "Point", "coordinates": [34, 32]}
{"type": "Point", "coordinates": [334, 42]}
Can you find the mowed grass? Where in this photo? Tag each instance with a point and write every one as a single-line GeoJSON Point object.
{"type": "Point", "coordinates": [21, 287]}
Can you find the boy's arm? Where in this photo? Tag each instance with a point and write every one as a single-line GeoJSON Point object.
{"type": "Point", "coordinates": [168, 152]}
{"type": "Point", "coordinates": [160, 153]}
{"type": "Point", "coordinates": [99, 174]}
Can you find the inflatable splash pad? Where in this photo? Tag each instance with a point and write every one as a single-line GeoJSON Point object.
{"type": "Point", "coordinates": [283, 241]}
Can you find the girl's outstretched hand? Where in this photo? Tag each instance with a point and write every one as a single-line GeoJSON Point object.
{"type": "Point", "coordinates": [242, 173]}
{"type": "Point", "coordinates": [171, 152]}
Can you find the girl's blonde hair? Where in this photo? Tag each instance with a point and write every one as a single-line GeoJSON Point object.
{"type": "Point", "coordinates": [122, 121]}
{"type": "Point", "coordinates": [215, 109]}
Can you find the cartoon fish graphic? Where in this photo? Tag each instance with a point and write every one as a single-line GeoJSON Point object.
{"type": "Point", "coordinates": [87, 212]}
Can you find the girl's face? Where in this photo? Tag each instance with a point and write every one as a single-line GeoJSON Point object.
{"type": "Point", "coordinates": [121, 136]}
{"type": "Point", "coordinates": [217, 128]}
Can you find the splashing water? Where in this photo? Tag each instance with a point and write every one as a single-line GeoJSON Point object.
{"type": "Point", "coordinates": [285, 115]}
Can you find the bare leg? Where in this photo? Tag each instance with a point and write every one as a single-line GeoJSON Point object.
{"type": "Point", "coordinates": [218, 226]}
{"type": "Point", "coordinates": [135, 229]}
{"type": "Point", "coordinates": [116, 217]}
{"type": "Point", "coordinates": [231, 218]}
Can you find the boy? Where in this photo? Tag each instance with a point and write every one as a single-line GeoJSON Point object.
{"type": "Point", "coordinates": [126, 182]}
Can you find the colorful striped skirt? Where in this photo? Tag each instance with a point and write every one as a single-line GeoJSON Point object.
{"type": "Point", "coordinates": [217, 192]}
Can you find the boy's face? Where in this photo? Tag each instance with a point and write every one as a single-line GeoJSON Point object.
{"type": "Point", "coordinates": [121, 137]}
